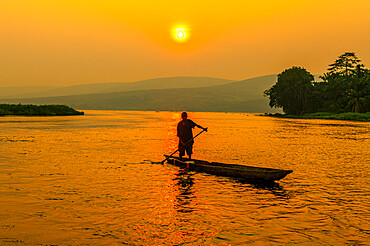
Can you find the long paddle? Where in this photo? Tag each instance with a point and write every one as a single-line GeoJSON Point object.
{"type": "Point", "coordinates": [183, 146]}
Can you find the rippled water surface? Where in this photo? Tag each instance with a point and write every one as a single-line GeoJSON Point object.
{"type": "Point", "coordinates": [89, 180]}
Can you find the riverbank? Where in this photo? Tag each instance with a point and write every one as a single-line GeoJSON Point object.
{"type": "Point", "coordinates": [364, 117]}
{"type": "Point", "coordinates": [37, 110]}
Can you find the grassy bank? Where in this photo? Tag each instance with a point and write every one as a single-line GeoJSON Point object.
{"type": "Point", "coordinates": [37, 110]}
{"type": "Point", "coordinates": [365, 117]}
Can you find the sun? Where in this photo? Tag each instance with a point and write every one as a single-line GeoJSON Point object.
{"type": "Point", "coordinates": [180, 34]}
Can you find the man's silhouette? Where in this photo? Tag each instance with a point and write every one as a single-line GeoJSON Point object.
{"type": "Point", "coordinates": [185, 134]}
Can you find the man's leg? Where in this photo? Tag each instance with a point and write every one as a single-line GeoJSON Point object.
{"type": "Point", "coordinates": [189, 151]}
{"type": "Point", "coordinates": [181, 150]}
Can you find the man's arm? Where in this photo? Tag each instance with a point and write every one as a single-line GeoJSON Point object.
{"type": "Point", "coordinates": [204, 128]}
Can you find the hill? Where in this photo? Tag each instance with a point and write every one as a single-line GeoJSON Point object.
{"type": "Point", "coordinates": [83, 89]}
{"type": "Point", "coordinates": [240, 96]}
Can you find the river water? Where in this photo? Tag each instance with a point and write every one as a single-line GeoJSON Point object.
{"type": "Point", "coordinates": [90, 180]}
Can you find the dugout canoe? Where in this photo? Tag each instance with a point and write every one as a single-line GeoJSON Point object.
{"type": "Point", "coordinates": [250, 173]}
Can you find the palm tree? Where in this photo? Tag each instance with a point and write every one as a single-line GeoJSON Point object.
{"type": "Point", "coordinates": [358, 90]}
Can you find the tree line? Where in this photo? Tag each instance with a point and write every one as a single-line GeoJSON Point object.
{"type": "Point", "coordinates": [345, 88]}
{"type": "Point", "coordinates": [37, 110]}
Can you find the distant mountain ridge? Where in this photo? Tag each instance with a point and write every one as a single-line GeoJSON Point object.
{"type": "Point", "coordinates": [82, 89]}
{"type": "Point", "coordinates": [238, 96]}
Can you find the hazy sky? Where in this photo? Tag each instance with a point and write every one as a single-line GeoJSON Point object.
{"type": "Point", "coordinates": [64, 42]}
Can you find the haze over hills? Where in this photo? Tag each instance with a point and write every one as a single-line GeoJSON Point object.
{"type": "Point", "coordinates": [12, 92]}
{"type": "Point", "coordinates": [240, 96]}
{"type": "Point", "coordinates": [159, 83]}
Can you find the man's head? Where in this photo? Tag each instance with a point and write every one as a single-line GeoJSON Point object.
{"type": "Point", "coordinates": [184, 115]}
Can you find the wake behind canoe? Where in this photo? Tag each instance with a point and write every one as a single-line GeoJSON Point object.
{"type": "Point", "coordinates": [230, 170]}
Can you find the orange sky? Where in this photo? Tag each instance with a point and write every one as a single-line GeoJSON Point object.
{"type": "Point", "coordinates": [64, 42]}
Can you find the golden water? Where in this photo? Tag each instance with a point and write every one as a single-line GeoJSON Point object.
{"type": "Point", "coordinates": [89, 180]}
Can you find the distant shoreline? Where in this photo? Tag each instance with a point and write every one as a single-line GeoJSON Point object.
{"type": "Point", "coordinates": [37, 110]}
{"type": "Point", "coordinates": [362, 117]}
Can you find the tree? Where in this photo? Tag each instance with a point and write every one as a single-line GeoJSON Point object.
{"type": "Point", "coordinates": [346, 64]}
{"type": "Point", "coordinates": [334, 93]}
{"type": "Point", "coordinates": [346, 88]}
{"type": "Point", "coordinates": [359, 89]}
{"type": "Point", "coordinates": [347, 81]}
{"type": "Point", "coordinates": [292, 91]}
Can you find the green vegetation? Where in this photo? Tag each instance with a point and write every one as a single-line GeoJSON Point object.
{"type": "Point", "coordinates": [292, 91]}
{"type": "Point", "coordinates": [35, 110]}
{"type": "Point", "coordinates": [328, 116]}
{"type": "Point", "coordinates": [345, 88]}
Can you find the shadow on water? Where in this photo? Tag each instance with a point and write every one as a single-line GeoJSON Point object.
{"type": "Point", "coordinates": [273, 187]}
{"type": "Point", "coordinates": [185, 182]}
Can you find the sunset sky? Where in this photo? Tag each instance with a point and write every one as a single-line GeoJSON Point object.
{"type": "Point", "coordinates": [64, 42]}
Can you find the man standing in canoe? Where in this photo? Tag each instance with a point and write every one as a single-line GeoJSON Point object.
{"type": "Point", "coordinates": [185, 134]}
